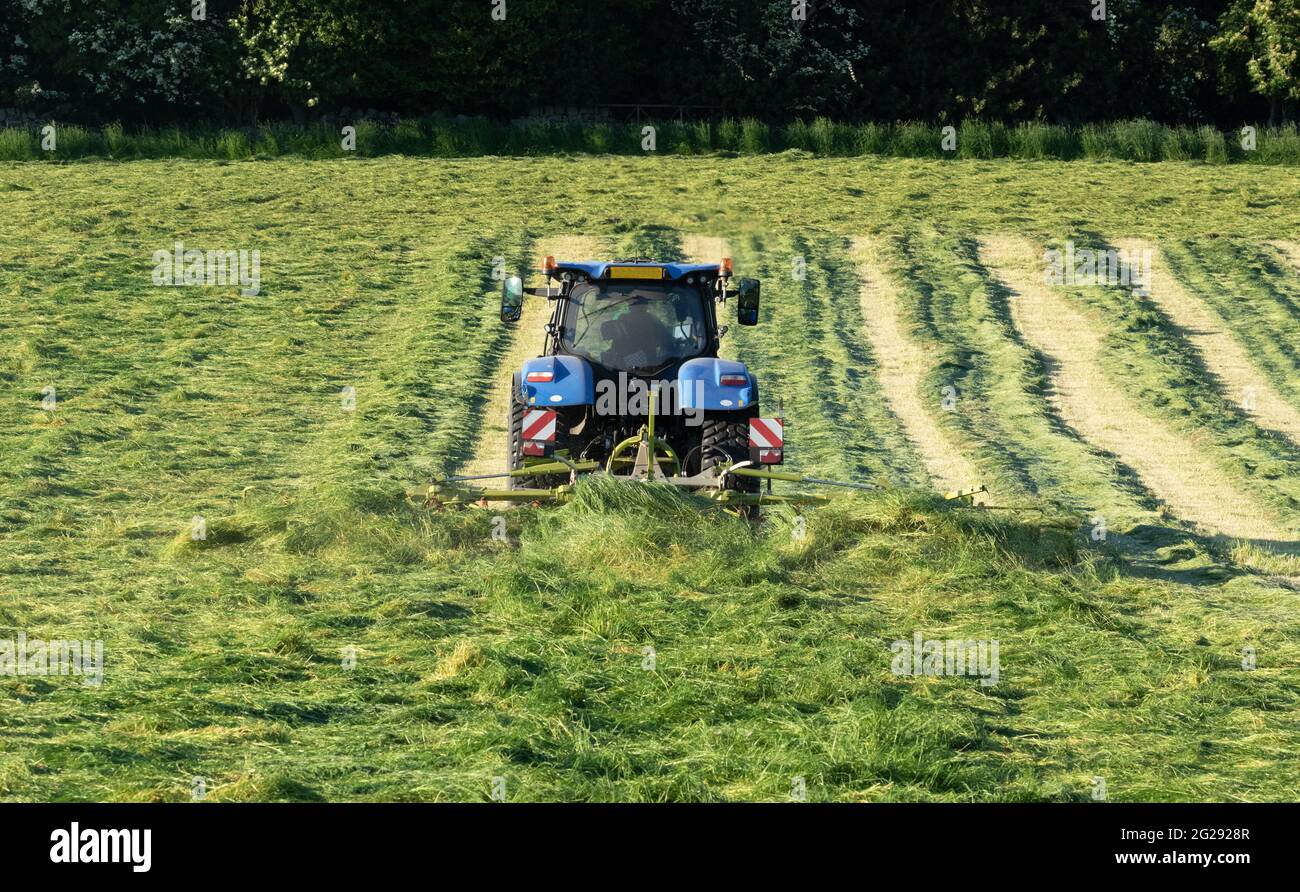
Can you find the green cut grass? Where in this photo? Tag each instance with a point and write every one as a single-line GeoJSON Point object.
{"type": "Point", "coordinates": [529, 660]}
{"type": "Point", "coordinates": [1254, 290]}
{"type": "Point", "coordinates": [840, 425]}
{"type": "Point", "coordinates": [227, 658]}
{"type": "Point", "coordinates": [998, 411]}
{"type": "Point", "coordinates": [1154, 363]}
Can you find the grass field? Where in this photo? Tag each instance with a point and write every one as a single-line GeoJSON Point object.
{"type": "Point", "coordinates": [299, 420]}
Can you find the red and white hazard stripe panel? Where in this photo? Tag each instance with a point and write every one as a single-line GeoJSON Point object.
{"type": "Point", "coordinates": [538, 431]}
{"type": "Point", "coordinates": [766, 440]}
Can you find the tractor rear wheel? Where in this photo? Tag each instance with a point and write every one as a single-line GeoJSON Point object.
{"type": "Point", "coordinates": [727, 433]}
{"type": "Point", "coordinates": [515, 441]}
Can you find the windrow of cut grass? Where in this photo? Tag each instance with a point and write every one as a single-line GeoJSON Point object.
{"type": "Point", "coordinates": [1224, 356]}
{"type": "Point", "coordinates": [1151, 361]}
{"type": "Point", "coordinates": [438, 137]}
{"type": "Point", "coordinates": [959, 312]}
{"type": "Point", "coordinates": [838, 423]}
{"type": "Point", "coordinates": [1257, 294]}
{"type": "Point", "coordinates": [1087, 391]}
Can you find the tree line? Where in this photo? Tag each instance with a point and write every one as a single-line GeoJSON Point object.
{"type": "Point", "coordinates": [1219, 62]}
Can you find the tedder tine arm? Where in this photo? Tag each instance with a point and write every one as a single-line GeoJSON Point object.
{"type": "Point", "coordinates": [791, 477]}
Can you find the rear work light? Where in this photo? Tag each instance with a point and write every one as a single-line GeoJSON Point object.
{"type": "Point", "coordinates": [733, 380]}
{"type": "Point", "coordinates": [540, 377]}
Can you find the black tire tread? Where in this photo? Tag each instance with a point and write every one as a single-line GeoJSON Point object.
{"type": "Point", "coordinates": [728, 432]}
{"type": "Point", "coordinates": [514, 441]}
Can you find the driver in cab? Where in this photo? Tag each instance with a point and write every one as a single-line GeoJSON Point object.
{"type": "Point", "coordinates": [638, 337]}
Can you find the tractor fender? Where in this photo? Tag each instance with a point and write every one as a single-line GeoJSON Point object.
{"type": "Point", "coordinates": [701, 379]}
{"type": "Point", "coordinates": [570, 384]}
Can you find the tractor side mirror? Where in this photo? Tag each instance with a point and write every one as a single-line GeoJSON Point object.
{"type": "Point", "coordinates": [747, 301]}
{"type": "Point", "coordinates": [512, 299]}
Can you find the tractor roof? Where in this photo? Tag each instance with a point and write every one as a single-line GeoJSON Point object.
{"type": "Point", "coordinates": [600, 269]}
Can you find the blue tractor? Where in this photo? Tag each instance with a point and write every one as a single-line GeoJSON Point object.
{"type": "Point", "coordinates": [630, 385]}
{"type": "Point", "coordinates": [632, 344]}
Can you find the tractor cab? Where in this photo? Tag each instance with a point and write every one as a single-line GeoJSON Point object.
{"type": "Point", "coordinates": [638, 327]}
{"type": "Point", "coordinates": [640, 280]}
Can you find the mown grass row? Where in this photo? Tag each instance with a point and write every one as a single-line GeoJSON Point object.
{"type": "Point", "coordinates": [811, 356]}
{"type": "Point", "coordinates": [1157, 366]}
{"type": "Point", "coordinates": [1136, 140]}
{"type": "Point", "coordinates": [998, 411]}
{"type": "Point", "coordinates": [1255, 291]}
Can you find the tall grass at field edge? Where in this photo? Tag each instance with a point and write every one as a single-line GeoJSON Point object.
{"type": "Point", "coordinates": [440, 137]}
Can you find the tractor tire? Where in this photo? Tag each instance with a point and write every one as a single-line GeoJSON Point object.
{"type": "Point", "coordinates": [728, 432]}
{"type": "Point", "coordinates": [515, 441]}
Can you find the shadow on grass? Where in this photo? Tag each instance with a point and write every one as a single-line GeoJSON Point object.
{"type": "Point", "coordinates": [1173, 554]}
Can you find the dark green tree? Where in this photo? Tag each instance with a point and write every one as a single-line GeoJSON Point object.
{"type": "Point", "coordinates": [1263, 38]}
